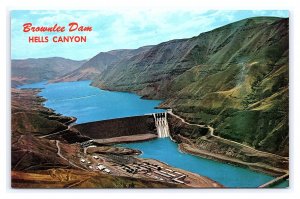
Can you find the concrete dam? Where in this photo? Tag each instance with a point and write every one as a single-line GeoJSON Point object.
{"type": "Point", "coordinates": [156, 124]}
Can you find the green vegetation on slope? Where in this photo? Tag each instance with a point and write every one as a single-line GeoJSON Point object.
{"type": "Point", "coordinates": [234, 78]}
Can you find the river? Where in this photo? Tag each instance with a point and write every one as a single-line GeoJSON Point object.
{"type": "Point", "coordinates": [88, 104]}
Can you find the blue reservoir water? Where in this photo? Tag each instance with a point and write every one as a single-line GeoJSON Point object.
{"type": "Point", "coordinates": [230, 176]}
{"type": "Point", "coordinates": [88, 103]}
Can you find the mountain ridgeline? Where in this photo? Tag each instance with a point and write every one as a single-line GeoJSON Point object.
{"type": "Point", "coordinates": [96, 65]}
{"type": "Point", "coordinates": [25, 71]}
{"type": "Point", "coordinates": [234, 78]}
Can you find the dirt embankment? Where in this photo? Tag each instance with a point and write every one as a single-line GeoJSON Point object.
{"type": "Point", "coordinates": [199, 141]}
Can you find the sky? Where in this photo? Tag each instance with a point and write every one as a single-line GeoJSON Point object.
{"type": "Point", "coordinates": [118, 29]}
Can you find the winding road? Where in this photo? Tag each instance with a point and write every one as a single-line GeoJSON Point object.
{"type": "Point", "coordinates": [48, 135]}
{"type": "Point", "coordinates": [60, 155]}
{"type": "Point", "coordinates": [211, 132]}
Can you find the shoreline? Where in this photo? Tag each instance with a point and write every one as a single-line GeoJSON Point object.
{"type": "Point", "coordinates": [279, 177]}
{"type": "Point", "coordinates": [185, 148]}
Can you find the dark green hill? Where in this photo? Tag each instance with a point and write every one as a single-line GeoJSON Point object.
{"type": "Point", "coordinates": [234, 78]}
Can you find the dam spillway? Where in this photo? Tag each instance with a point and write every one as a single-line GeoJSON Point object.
{"type": "Point", "coordinates": [161, 124]}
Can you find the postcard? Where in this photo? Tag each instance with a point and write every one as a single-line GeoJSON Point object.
{"type": "Point", "coordinates": [152, 99]}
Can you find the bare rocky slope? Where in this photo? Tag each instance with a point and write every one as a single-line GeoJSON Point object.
{"type": "Point", "coordinates": [234, 78]}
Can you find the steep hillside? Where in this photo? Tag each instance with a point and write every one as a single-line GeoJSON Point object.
{"type": "Point", "coordinates": [34, 70]}
{"type": "Point", "coordinates": [234, 78]}
{"type": "Point", "coordinates": [96, 65]}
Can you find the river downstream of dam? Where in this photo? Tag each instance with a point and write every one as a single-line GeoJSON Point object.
{"type": "Point", "coordinates": [87, 104]}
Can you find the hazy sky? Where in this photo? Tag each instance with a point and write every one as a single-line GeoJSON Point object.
{"type": "Point", "coordinates": [123, 29]}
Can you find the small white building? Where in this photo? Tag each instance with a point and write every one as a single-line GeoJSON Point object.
{"type": "Point", "coordinates": [106, 170]}
{"type": "Point", "coordinates": [95, 157]}
{"type": "Point", "coordinates": [101, 167]}
{"type": "Point", "coordinates": [82, 160]}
